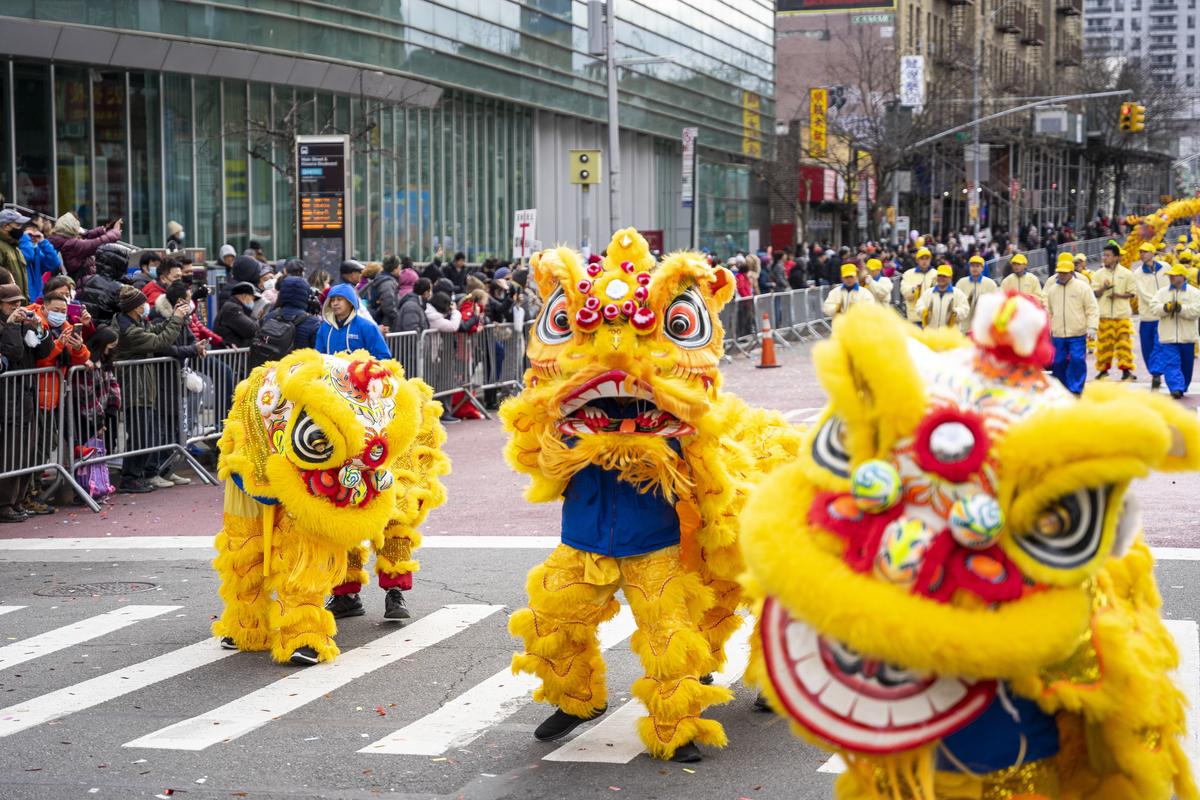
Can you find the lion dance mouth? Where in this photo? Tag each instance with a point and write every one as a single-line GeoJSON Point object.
{"type": "Point", "coordinates": [615, 402]}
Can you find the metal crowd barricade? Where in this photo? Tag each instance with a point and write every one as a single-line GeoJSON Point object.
{"type": "Point", "coordinates": [800, 316]}
{"type": "Point", "coordinates": [33, 404]}
{"type": "Point", "coordinates": [813, 299]}
{"type": "Point", "coordinates": [406, 348]}
{"type": "Point", "coordinates": [208, 393]}
{"type": "Point", "coordinates": [147, 433]}
{"type": "Point", "coordinates": [768, 304]}
{"type": "Point", "coordinates": [498, 350]}
{"type": "Point", "coordinates": [447, 365]}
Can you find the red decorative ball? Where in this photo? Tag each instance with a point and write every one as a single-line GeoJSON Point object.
{"type": "Point", "coordinates": [584, 286]}
{"type": "Point", "coordinates": [627, 266]}
{"type": "Point", "coordinates": [641, 293]}
{"type": "Point", "coordinates": [595, 269]}
{"type": "Point", "coordinates": [643, 278]}
{"type": "Point", "coordinates": [643, 319]}
{"type": "Point", "coordinates": [628, 307]}
{"type": "Point", "coordinates": [586, 319]}
{"type": "Point", "coordinates": [611, 312]}
{"type": "Point", "coordinates": [592, 304]}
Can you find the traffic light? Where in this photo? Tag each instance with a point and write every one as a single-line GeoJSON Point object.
{"type": "Point", "coordinates": [585, 167]}
{"type": "Point", "coordinates": [1138, 122]}
{"type": "Point", "coordinates": [1126, 119]}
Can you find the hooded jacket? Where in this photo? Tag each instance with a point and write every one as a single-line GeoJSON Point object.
{"type": "Point", "coordinates": [406, 279]}
{"type": "Point", "coordinates": [381, 298]}
{"type": "Point", "coordinates": [354, 334]}
{"type": "Point", "coordinates": [411, 314]}
{"type": "Point", "coordinates": [292, 306]}
{"type": "Point", "coordinates": [78, 247]}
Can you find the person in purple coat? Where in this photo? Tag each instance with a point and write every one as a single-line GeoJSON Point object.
{"type": "Point", "coordinates": [78, 247]}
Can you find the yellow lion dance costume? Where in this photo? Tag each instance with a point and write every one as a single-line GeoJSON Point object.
{"type": "Point", "coordinates": [953, 591]}
{"type": "Point", "coordinates": [622, 417]}
{"type": "Point", "coordinates": [320, 452]}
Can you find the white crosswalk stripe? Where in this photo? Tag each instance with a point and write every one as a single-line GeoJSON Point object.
{"type": "Point", "coordinates": [614, 740]}
{"type": "Point", "coordinates": [103, 688]}
{"type": "Point", "coordinates": [256, 709]}
{"type": "Point", "coordinates": [466, 717]}
{"type": "Point", "coordinates": [9, 609]}
{"type": "Point", "coordinates": [76, 633]}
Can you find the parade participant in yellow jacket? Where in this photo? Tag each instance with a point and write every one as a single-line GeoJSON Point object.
{"type": "Point", "coordinates": [943, 306]}
{"type": "Point", "coordinates": [1074, 318]}
{"type": "Point", "coordinates": [1176, 307]}
{"type": "Point", "coordinates": [1019, 280]}
{"type": "Point", "coordinates": [916, 282]}
{"type": "Point", "coordinates": [1149, 278]}
{"type": "Point", "coordinates": [842, 297]}
{"type": "Point", "coordinates": [878, 284]}
{"type": "Point", "coordinates": [1114, 288]}
{"type": "Point", "coordinates": [1188, 259]}
{"type": "Point", "coordinates": [974, 286]}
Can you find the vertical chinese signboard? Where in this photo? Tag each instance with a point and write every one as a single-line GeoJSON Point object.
{"type": "Point", "coordinates": [912, 81]}
{"type": "Point", "coordinates": [818, 106]}
{"type": "Point", "coordinates": [323, 222]}
{"type": "Point", "coordinates": [688, 171]}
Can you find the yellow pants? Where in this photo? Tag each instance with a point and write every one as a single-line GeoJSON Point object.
{"type": "Point", "coordinates": [394, 562]}
{"type": "Point", "coordinates": [573, 591]}
{"type": "Point", "coordinates": [1115, 338]}
{"type": "Point", "coordinates": [1037, 780]}
{"type": "Point", "coordinates": [285, 609]}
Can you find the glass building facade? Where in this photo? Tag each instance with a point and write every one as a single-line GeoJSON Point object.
{"type": "Point", "coordinates": [160, 110]}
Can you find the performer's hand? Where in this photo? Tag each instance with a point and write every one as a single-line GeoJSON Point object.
{"type": "Point", "coordinates": [1091, 334]}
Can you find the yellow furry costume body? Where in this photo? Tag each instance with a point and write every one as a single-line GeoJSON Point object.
{"type": "Point", "coordinates": [640, 342]}
{"type": "Point", "coordinates": [954, 593]}
{"type": "Point", "coordinates": [320, 452]}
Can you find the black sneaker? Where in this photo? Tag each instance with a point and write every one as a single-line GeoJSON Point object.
{"type": "Point", "coordinates": [706, 679]}
{"type": "Point", "coordinates": [345, 605]}
{"type": "Point", "coordinates": [1155, 381]}
{"type": "Point", "coordinates": [1127, 375]}
{"type": "Point", "coordinates": [1177, 395]}
{"type": "Point", "coordinates": [687, 754]}
{"type": "Point", "coordinates": [1102, 374]}
{"type": "Point", "coordinates": [560, 723]}
{"type": "Point", "coordinates": [394, 606]}
{"type": "Point", "coordinates": [304, 657]}
{"type": "Point", "coordinates": [227, 643]}
{"type": "Point", "coordinates": [134, 487]}
{"type": "Point", "coordinates": [448, 419]}
{"type": "Point", "coordinates": [10, 514]}
{"type": "Point", "coordinates": [761, 704]}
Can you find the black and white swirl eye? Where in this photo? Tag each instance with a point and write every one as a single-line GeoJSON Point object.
{"type": "Point", "coordinates": [554, 326]}
{"type": "Point", "coordinates": [829, 450]}
{"type": "Point", "coordinates": [309, 442]}
{"type": "Point", "coordinates": [687, 322]}
{"type": "Point", "coordinates": [1067, 533]}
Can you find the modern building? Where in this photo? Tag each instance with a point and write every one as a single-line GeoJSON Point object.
{"type": "Point", "coordinates": [459, 113]}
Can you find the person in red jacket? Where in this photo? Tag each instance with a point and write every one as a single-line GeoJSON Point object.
{"type": "Point", "coordinates": [78, 247]}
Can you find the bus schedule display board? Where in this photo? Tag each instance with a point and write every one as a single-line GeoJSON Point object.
{"type": "Point", "coordinates": [322, 219]}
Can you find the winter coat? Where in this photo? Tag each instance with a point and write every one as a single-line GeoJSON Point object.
{"type": "Point", "coordinates": [382, 300]}
{"type": "Point", "coordinates": [292, 306]}
{"type": "Point", "coordinates": [355, 333]}
{"type": "Point", "coordinates": [13, 260]}
{"type": "Point", "coordinates": [456, 276]}
{"type": "Point", "coordinates": [79, 252]}
{"type": "Point", "coordinates": [1180, 325]}
{"type": "Point", "coordinates": [1072, 306]}
{"type": "Point", "coordinates": [410, 314]}
{"type": "Point", "coordinates": [440, 322]}
{"type": "Point", "coordinates": [16, 354]}
{"type": "Point", "coordinates": [139, 340]}
{"type": "Point", "coordinates": [39, 259]}
{"type": "Point", "coordinates": [61, 355]}
{"type": "Point", "coordinates": [406, 279]}
{"type": "Point", "coordinates": [234, 324]}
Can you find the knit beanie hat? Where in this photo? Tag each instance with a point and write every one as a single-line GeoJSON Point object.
{"type": "Point", "coordinates": [129, 299]}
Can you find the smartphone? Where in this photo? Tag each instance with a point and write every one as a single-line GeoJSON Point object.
{"type": "Point", "coordinates": [74, 312]}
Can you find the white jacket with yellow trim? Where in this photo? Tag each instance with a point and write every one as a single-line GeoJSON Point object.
{"type": "Point", "coordinates": [1148, 284]}
{"type": "Point", "coordinates": [942, 309]}
{"type": "Point", "coordinates": [1072, 307]}
{"type": "Point", "coordinates": [913, 285]}
{"type": "Point", "coordinates": [973, 291]}
{"type": "Point", "coordinates": [840, 299]}
{"type": "Point", "coordinates": [1179, 327]}
{"type": "Point", "coordinates": [1114, 282]}
{"type": "Point", "coordinates": [1026, 284]}
{"type": "Point", "coordinates": [880, 288]}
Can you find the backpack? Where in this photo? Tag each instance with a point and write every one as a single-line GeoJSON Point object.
{"type": "Point", "coordinates": [273, 340]}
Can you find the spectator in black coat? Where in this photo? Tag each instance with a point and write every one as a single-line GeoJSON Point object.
{"type": "Point", "coordinates": [456, 273]}
{"type": "Point", "coordinates": [381, 296]}
{"type": "Point", "coordinates": [234, 323]}
{"type": "Point", "coordinates": [292, 306]}
{"type": "Point", "coordinates": [411, 311]}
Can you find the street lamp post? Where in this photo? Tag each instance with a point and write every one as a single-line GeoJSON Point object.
{"type": "Point", "coordinates": [614, 128]}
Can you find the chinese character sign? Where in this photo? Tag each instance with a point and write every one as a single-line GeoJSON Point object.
{"type": "Point", "coordinates": [912, 81]}
{"type": "Point", "coordinates": [818, 105]}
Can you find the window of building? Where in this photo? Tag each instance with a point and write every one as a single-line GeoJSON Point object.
{"type": "Point", "coordinates": [236, 167]}
{"type": "Point", "coordinates": [178, 146]}
{"type": "Point", "coordinates": [72, 101]}
{"type": "Point", "coordinates": [1135, 24]}
{"type": "Point", "coordinates": [108, 114]}
{"type": "Point", "coordinates": [283, 103]}
{"type": "Point", "coordinates": [210, 221]}
{"type": "Point", "coordinates": [261, 173]}
{"type": "Point", "coordinates": [145, 225]}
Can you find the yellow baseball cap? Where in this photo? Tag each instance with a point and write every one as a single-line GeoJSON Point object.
{"type": "Point", "coordinates": [1187, 256]}
{"type": "Point", "coordinates": [1020, 258]}
{"type": "Point", "coordinates": [945, 269]}
{"type": "Point", "coordinates": [924, 253]}
{"type": "Point", "coordinates": [1066, 265]}
{"type": "Point", "coordinates": [976, 259]}
{"type": "Point", "coordinates": [849, 269]}
{"type": "Point", "coordinates": [1182, 239]}
{"type": "Point", "coordinates": [1065, 256]}
{"type": "Point", "coordinates": [1177, 269]}
{"type": "Point", "coordinates": [1080, 257]}
{"type": "Point", "coordinates": [874, 264]}
{"type": "Point", "coordinates": [1146, 247]}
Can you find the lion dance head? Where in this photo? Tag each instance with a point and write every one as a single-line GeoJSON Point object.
{"type": "Point", "coordinates": [953, 588]}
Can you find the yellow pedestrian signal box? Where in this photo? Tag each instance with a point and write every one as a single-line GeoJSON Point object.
{"type": "Point", "coordinates": [1139, 118]}
{"type": "Point", "coordinates": [585, 167]}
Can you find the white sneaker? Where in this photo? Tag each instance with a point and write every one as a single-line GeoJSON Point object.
{"type": "Point", "coordinates": [178, 480]}
{"type": "Point", "coordinates": [159, 482]}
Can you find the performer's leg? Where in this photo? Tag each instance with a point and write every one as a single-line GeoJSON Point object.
{"type": "Point", "coordinates": [395, 565]}
{"type": "Point", "coordinates": [1124, 344]}
{"type": "Point", "coordinates": [302, 574]}
{"type": "Point", "coordinates": [355, 577]}
{"type": "Point", "coordinates": [239, 562]}
{"type": "Point", "coordinates": [662, 596]}
{"type": "Point", "coordinates": [1187, 362]}
{"type": "Point", "coordinates": [1061, 351]}
{"type": "Point", "coordinates": [718, 622]}
{"type": "Point", "coordinates": [1168, 355]}
{"type": "Point", "coordinates": [1148, 333]}
{"type": "Point", "coordinates": [1106, 344]}
{"type": "Point", "coordinates": [1076, 363]}
{"type": "Point", "coordinates": [569, 596]}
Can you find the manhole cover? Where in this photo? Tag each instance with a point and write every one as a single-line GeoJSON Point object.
{"type": "Point", "coordinates": [96, 589]}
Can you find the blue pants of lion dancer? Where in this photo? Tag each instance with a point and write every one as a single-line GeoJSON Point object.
{"type": "Point", "coordinates": [1148, 332]}
{"type": "Point", "coordinates": [1070, 362]}
{"type": "Point", "coordinates": [1176, 362]}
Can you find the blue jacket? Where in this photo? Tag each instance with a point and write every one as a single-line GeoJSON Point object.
{"type": "Point", "coordinates": [603, 514]}
{"type": "Point", "coordinates": [353, 334]}
{"type": "Point", "coordinates": [38, 260]}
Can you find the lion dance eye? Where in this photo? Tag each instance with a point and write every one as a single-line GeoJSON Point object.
{"type": "Point", "coordinates": [1068, 532]}
{"type": "Point", "coordinates": [309, 442]}
{"type": "Point", "coordinates": [687, 322]}
{"type": "Point", "coordinates": [554, 327]}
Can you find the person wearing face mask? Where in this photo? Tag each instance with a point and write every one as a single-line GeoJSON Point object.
{"type": "Point", "coordinates": [235, 322]}
{"type": "Point", "coordinates": [167, 273]}
{"type": "Point", "coordinates": [11, 257]}
{"type": "Point", "coordinates": [23, 341]}
{"type": "Point", "coordinates": [267, 284]}
{"type": "Point", "coordinates": [175, 237]}
{"type": "Point", "coordinates": [41, 259]}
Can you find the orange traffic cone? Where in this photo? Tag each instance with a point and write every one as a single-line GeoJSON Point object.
{"type": "Point", "coordinates": [768, 345]}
